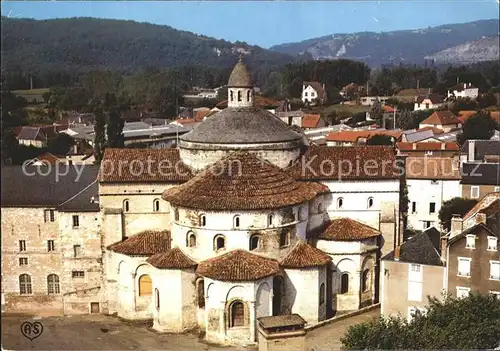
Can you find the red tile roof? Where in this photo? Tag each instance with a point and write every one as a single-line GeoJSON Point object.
{"type": "Point", "coordinates": [495, 115]}
{"type": "Point", "coordinates": [304, 255]}
{"type": "Point", "coordinates": [241, 181]}
{"type": "Point", "coordinates": [441, 118]}
{"type": "Point", "coordinates": [445, 168]}
{"type": "Point", "coordinates": [200, 115]}
{"type": "Point", "coordinates": [238, 266]}
{"type": "Point", "coordinates": [49, 158]}
{"type": "Point", "coordinates": [146, 243]}
{"type": "Point", "coordinates": [346, 229]}
{"type": "Point", "coordinates": [353, 135]}
{"type": "Point", "coordinates": [388, 109]}
{"type": "Point", "coordinates": [311, 121]}
{"type": "Point", "coordinates": [341, 163]}
{"type": "Point", "coordinates": [427, 146]}
{"type": "Point", "coordinates": [143, 165]}
{"type": "Point", "coordinates": [171, 259]}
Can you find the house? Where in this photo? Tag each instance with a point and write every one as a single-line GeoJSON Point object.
{"type": "Point", "coordinates": [487, 205]}
{"type": "Point", "coordinates": [370, 100]}
{"type": "Point", "coordinates": [479, 151]}
{"type": "Point", "coordinates": [420, 135]}
{"type": "Point", "coordinates": [313, 92]}
{"type": "Point", "coordinates": [410, 273]}
{"type": "Point", "coordinates": [32, 136]}
{"type": "Point", "coordinates": [47, 159]}
{"type": "Point", "coordinates": [312, 121]}
{"type": "Point", "coordinates": [428, 102]}
{"type": "Point", "coordinates": [430, 181]}
{"type": "Point", "coordinates": [50, 259]}
{"type": "Point", "coordinates": [351, 91]}
{"type": "Point", "coordinates": [424, 148]}
{"type": "Point", "coordinates": [479, 179]}
{"type": "Point", "coordinates": [444, 120]}
{"type": "Point", "coordinates": [292, 118]}
{"type": "Point", "coordinates": [318, 135]}
{"type": "Point", "coordinates": [352, 137]}
{"type": "Point", "coordinates": [463, 90]}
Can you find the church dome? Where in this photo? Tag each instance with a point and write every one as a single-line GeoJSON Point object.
{"type": "Point", "coordinates": [240, 77]}
{"type": "Point", "coordinates": [241, 125]}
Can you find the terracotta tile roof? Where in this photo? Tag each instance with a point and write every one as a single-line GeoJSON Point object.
{"type": "Point", "coordinates": [495, 115]}
{"type": "Point", "coordinates": [464, 115]}
{"type": "Point", "coordinates": [171, 259]}
{"type": "Point", "coordinates": [125, 165]}
{"type": "Point", "coordinates": [429, 146]}
{"type": "Point", "coordinates": [346, 229]}
{"type": "Point", "coordinates": [49, 158]}
{"type": "Point", "coordinates": [388, 109]}
{"type": "Point", "coordinates": [435, 98]}
{"type": "Point", "coordinates": [318, 87]}
{"type": "Point", "coordinates": [340, 163]}
{"type": "Point", "coordinates": [484, 203]}
{"type": "Point", "coordinates": [441, 118]}
{"type": "Point", "coordinates": [238, 266]}
{"type": "Point", "coordinates": [241, 181]}
{"type": "Point", "coordinates": [311, 121]}
{"type": "Point", "coordinates": [445, 168]}
{"type": "Point", "coordinates": [200, 115]}
{"type": "Point", "coordinates": [146, 243]}
{"type": "Point", "coordinates": [433, 129]}
{"type": "Point", "coordinates": [304, 255]}
{"type": "Point", "coordinates": [353, 135]}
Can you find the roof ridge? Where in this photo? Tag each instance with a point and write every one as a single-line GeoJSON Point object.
{"type": "Point", "coordinates": [74, 196]}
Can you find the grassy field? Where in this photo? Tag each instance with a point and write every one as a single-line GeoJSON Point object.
{"type": "Point", "coordinates": [341, 110]}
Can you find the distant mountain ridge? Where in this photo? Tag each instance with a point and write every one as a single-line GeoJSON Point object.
{"type": "Point", "coordinates": [404, 46]}
{"type": "Point", "coordinates": [484, 49]}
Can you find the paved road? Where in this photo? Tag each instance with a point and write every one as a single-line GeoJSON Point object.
{"type": "Point", "coordinates": [99, 332]}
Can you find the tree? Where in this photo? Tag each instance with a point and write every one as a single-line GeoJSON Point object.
{"type": "Point", "coordinates": [376, 112]}
{"type": "Point", "coordinates": [486, 100]}
{"type": "Point", "coordinates": [99, 132]}
{"type": "Point", "coordinates": [464, 104]}
{"type": "Point", "coordinates": [479, 126]}
{"type": "Point", "coordinates": [456, 205]}
{"type": "Point", "coordinates": [114, 127]}
{"type": "Point", "coordinates": [61, 144]}
{"type": "Point", "coordinates": [380, 139]}
{"type": "Point", "coordinates": [472, 322]}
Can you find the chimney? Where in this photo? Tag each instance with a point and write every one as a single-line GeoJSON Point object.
{"type": "Point", "coordinates": [444, 244]}
{"type": "Point", "coordinates": [414, 146]}
{"type": "Point", "coordinates": [457, 225]}
{"type": "Point", "coordinates": [472, 151]}
{"type": "Point", "coordinates": [480, 218]}
{"type": "Point", "coordinates": [465, 85]}
{"type": "Point", "coordinates": [397, 253]}
{"type": "Point", "coordinates": [443, 146]}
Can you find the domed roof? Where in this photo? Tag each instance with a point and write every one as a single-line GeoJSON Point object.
{"type": "Point", "coordinates": [241, 181]}
{"type": "Point", "coordinates": [240, 77]}
{"type": "Point", "coordinates": [241, 125]}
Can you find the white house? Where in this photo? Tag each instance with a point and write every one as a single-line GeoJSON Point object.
{"type": "Point", "coordinates": [463, 90]}
{"type": "Point", "coordinates": [312, 92]}
{"type": "Point", "coordinates": [428, 102]}
{"type": "Point", "coordinates": [430, 182]}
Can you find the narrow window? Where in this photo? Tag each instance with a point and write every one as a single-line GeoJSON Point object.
{"type": "Point", "coordinates": [322, 294]}
{"type": "Point", "coordinates": [176, 215]}
{"type": "Point", "coordinates": [77, 250]}
{"type": "Point", "coordinates": [145, 285]}
{"type": "Point", "coordinates": [22, 245]}
{"type": "Point", "coordinates": [413, 207]}
{"type": "Point", "coordinates": [201, 293]}
{"type": "Point", "coordinates": [53, 284]}
{"type": "Point", "coordinates": [370, 202]}
{"type": "Point", "coordinates": [76, 221]}
{"type": "Point", "coordinates": [126, 205]}
{"type": "Point", "coordinates": [23, 261]}
{"type": "Point", "coordinates": [254, 242]}
{"type": "Point", "coordinates": [365, 283]}
{"type": "Point", "coordinates": [231, 97]}
{"type": "Point", "coordinates": [470, 241]}
{"type": "Point", "coordinates": [237, 312]}
{"type": "Point", "coordinates": [156, 205]}
{"type": "Point", "coordinates": [284, 238]}
{"type": "Point", "coordinates": [270, 220]}
{"type": "Point", "coordinates": [50, 245]}
{"type": "Point", "coordinates": [24, 284]}
{"type": "Point", "coordinates": [239, 95]}
{"type": "Point", "coordinates": [495, 270]}
{"type": "Point", "coordinates": [492, 243]}
{"type": "Point", "coordinates": [248, 95]}
{"type": "Point", "coordinates": [191, 239]}
{"type": "Point", "coordinates": [432, 207]}
{"type": "Point", "coordinates": [157, 299]}
{"type": "Point", "coordinates": [49, 216]}
{"type": "Point", "coordinates": [340, 202]}
{"type": "Point", "coordinates": [203, 220]}
{"type": "Point", "coordinates": [344, 283]}
{"type": "Point", "coordinates": [320, 207]}
{"type": "Point", "coordinates": [474, 192]}
{"type": "Point", "coordinates": [219, 242]}
{"type": "Point", "coordinates": [236, 221]}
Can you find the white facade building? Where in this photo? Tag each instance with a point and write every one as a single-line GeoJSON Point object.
{"type": "Point", "coordinates": [463, 90]}
{"type": "Point", "coordinates": [313, 92]}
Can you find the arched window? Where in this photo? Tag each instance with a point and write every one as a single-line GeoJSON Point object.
{"type": "Point", "coordinates": [145, 285]}
{"type": "Point", "coordinates": [248, 95]}
{"type": "Point", "coordinates": [53, 284]}
{"type": "Point", "coordinates": [231, 97]}
{"type": "Point", "coordinates": [219, 242]}
{"type": "Point", "coordinates": [156, 205]}
{"type": "Point", "coordinates": [24, 284]}
{"type": "Point", "coordinates": [370, 202]}
{"type": "Point", "coordinates": [365, 282]}
{"type": "Point", "coordinates": [190, 239]}
{"type": "Point", "coordinates": [157, 299]}
{"type": "Point", "coordinates": [201, 293]}
{"type": "Point", "coordinates": [239, 95]}
{"type": "Point", "coordinates": [126, 205]}
{"type": "Point", "coordinates": [270, 220]}
{"type": "Point", "coordinates": [237, 314]}
{"type": "Point", "coordinates": [176, 214]}
{"type": "Point", "coordinates": [344, 283]}
{"type": "Point", "coordinates": [340, 202]}
{"type": "Point", "coordinates": [320, 207]}
{"type": "Point", "coordinates": [236, 221]}
{"type": "Point", "coordinates": [322, 293]}
{"type": "Point", "coordinates": [203, 220]}
{"type": "Point", "coordinates": [254, 242]}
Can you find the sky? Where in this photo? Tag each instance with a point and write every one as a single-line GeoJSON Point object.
{"type": "Point", "coordinates": [267, 23]}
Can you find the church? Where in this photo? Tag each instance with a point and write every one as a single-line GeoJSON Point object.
{"type": "Point", "coordinates": [243, 220]}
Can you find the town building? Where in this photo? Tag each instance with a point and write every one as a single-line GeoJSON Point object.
{"type": "Point", "coordinates": [444, 120]}
{"type": "Point", "coordinates": [313, 92]}
{"type": "Point", "coordinates": [428, 102]}
{"type": "Point", "coordinates": [463, 90]}
{"type": "Point", "coordinates": [479, 179]}
{"type": "Point", "coordinates": [354, 137]}
{"type": "Point", "coordinates": [428, 148]}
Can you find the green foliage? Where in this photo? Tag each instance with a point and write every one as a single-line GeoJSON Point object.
{"type": "Point", "coordinates": [61, 144]}
{"type": "Point", "coordinates": [376, 112]}
{"type": "Point", "coordinates": [479, 126]}
{"type": "Point", "coordinates": [13, 113]}
{"type": "Point", "coordinates": [486, 100]}
{"type": "Point", "coordinates": [465, 104]}
{"type": "Point", "coordinates": [468, 323]}
{"type": "Point", "coordinates": [99, 132]}
{"type": "Point", "coordinates": [456, 205]}
{"type": "Point", "coordinates": [380, 139]}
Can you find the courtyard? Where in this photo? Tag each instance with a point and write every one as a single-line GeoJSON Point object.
{"type": "Point", "coordinates": [100, 332]}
